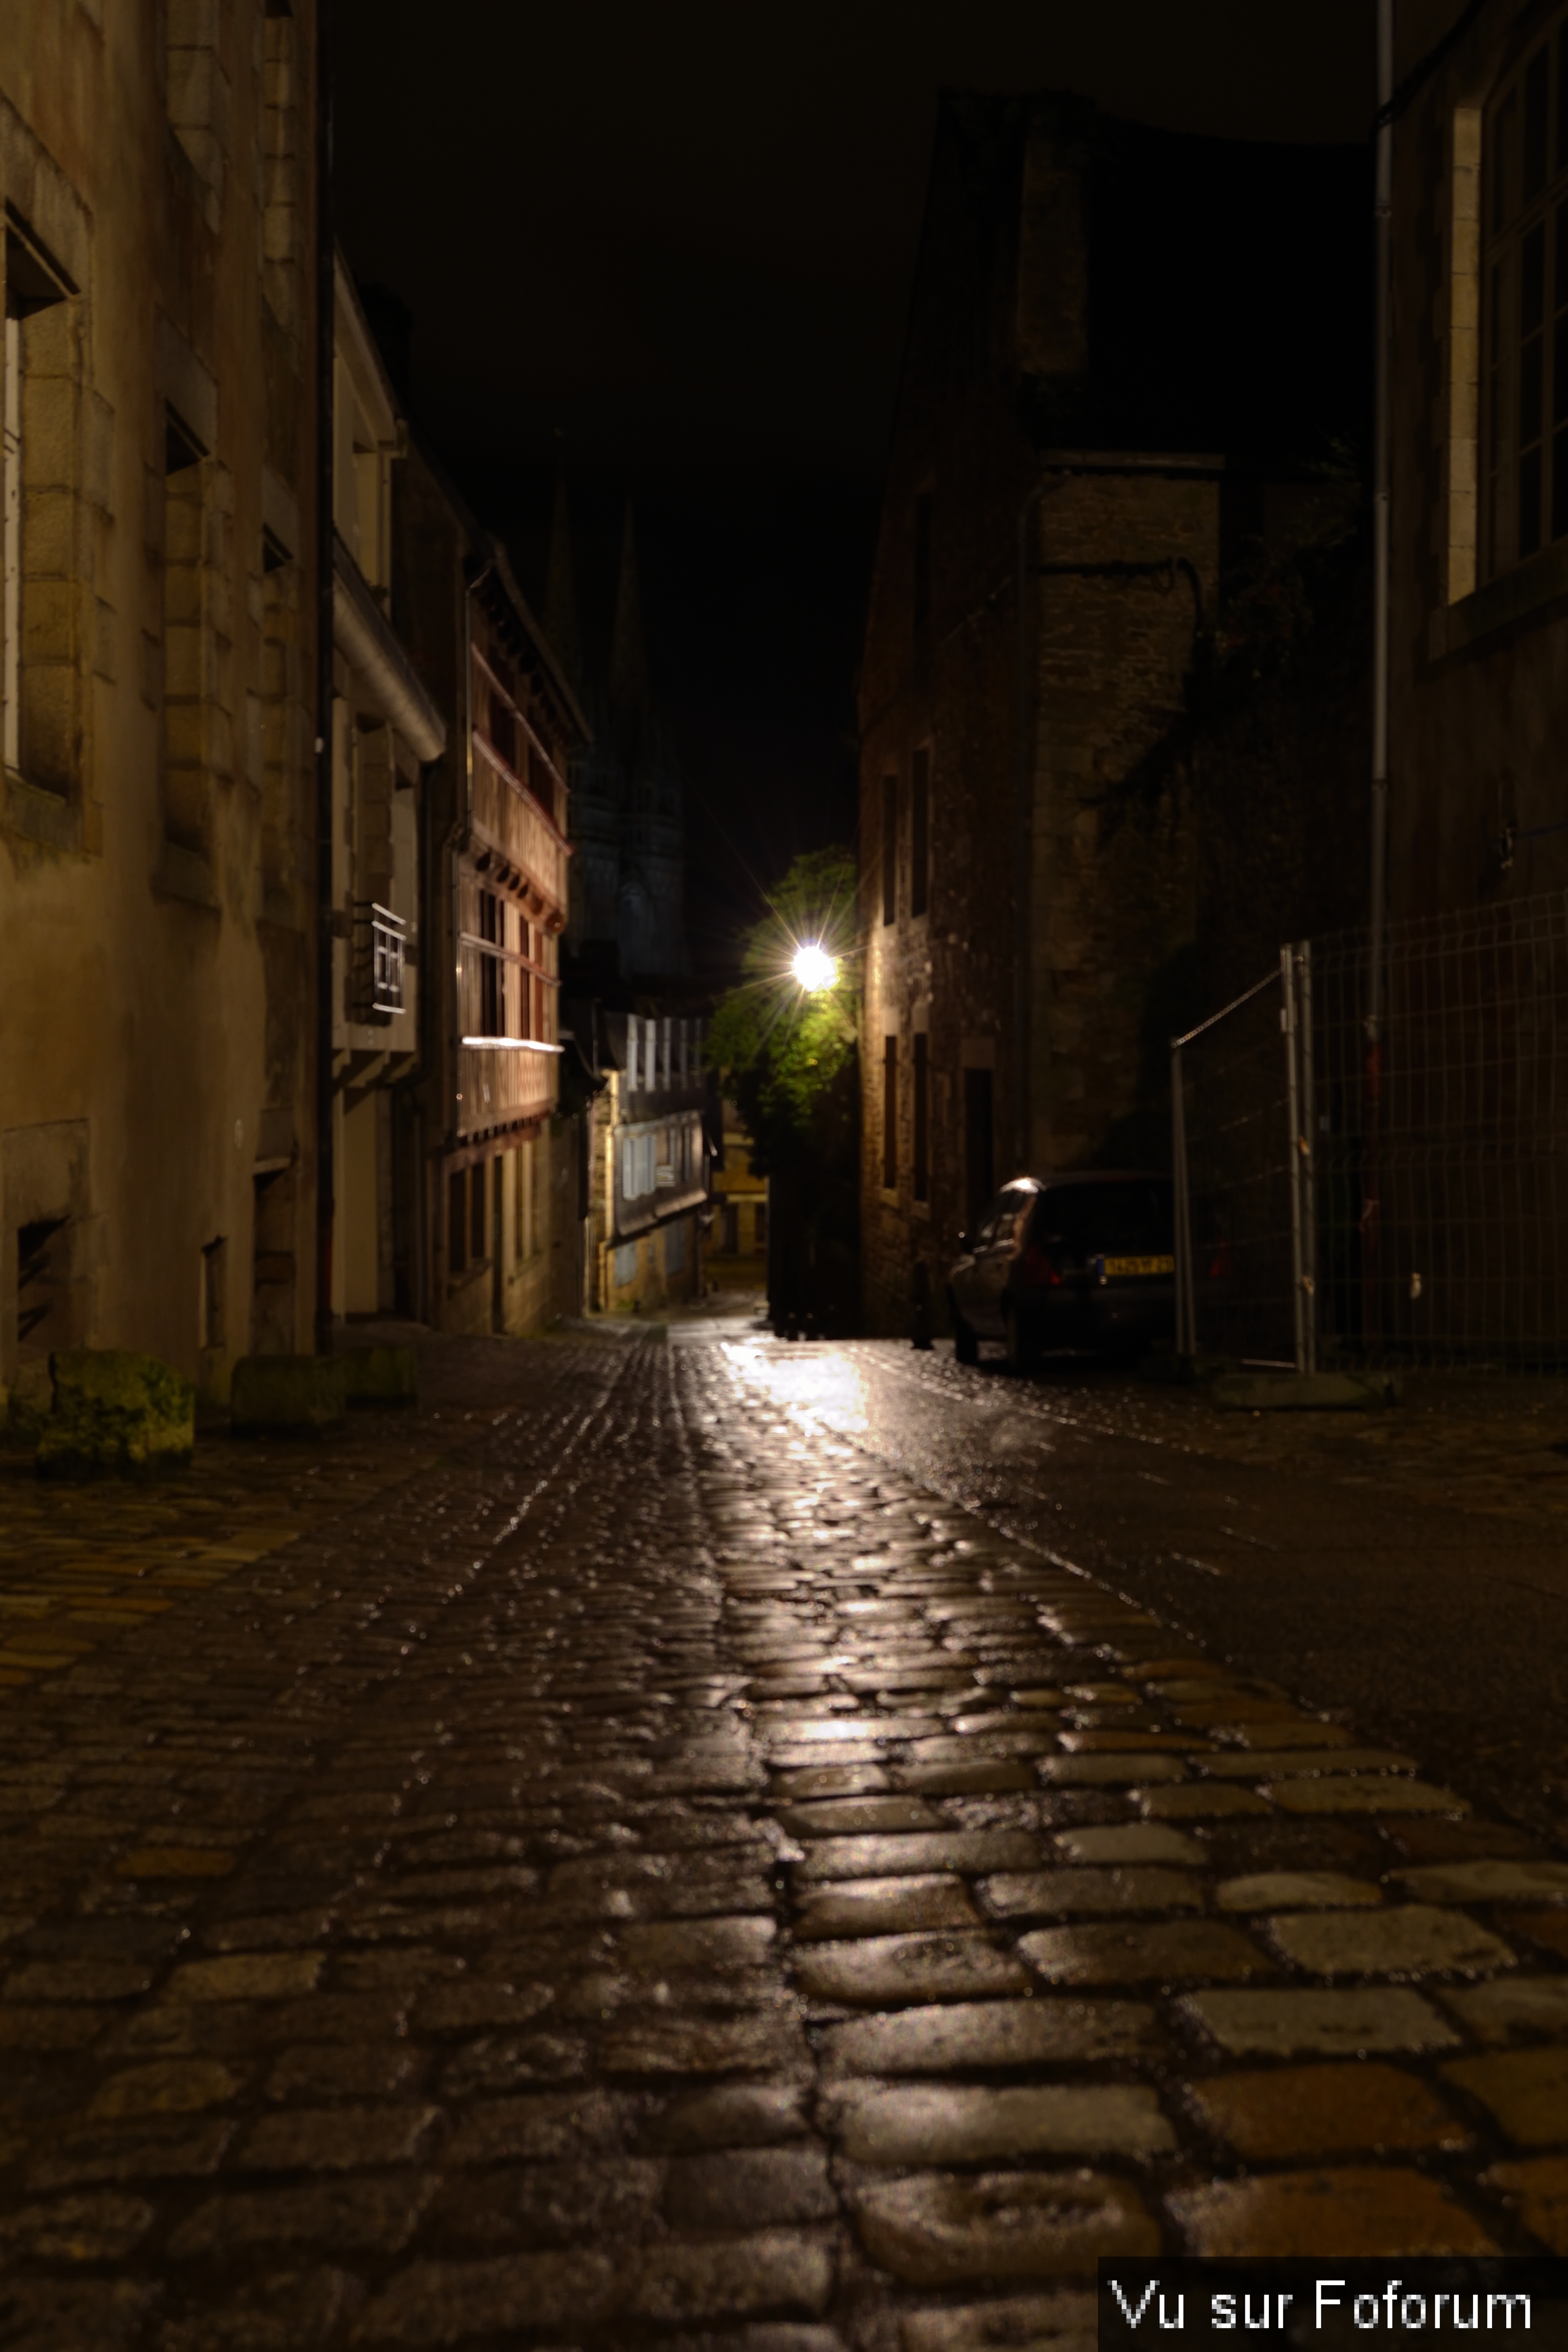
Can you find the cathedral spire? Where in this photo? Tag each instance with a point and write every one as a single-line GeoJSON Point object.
{"type": "Point", "coordinates": [562, 626]}
{"type": "Point", "coordinates": [629, 653]}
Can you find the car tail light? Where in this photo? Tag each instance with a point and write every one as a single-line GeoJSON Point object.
{"type": "Point", "coordinates": [1035, 1268]}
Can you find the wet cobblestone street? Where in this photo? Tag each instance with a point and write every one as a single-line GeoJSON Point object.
{"type": "Point", "coordinates": [626, 1858]}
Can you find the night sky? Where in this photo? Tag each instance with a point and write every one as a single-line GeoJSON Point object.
{"type": "Point", "coordinates": [671, 248]}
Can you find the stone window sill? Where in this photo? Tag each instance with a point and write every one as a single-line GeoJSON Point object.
{"type": "Point", "coordinates": [1517, 595]}
{"type": "Point", "coordinates": [34, 814]}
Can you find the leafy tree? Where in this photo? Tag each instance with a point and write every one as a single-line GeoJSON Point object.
{"type": "Point", "coordinates": [786, 1054]}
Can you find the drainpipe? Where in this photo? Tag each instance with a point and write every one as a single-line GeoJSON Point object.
{"type": "Point", "coordinates": [326, 289]}
{"type": "Point", "coordinates": [1382, 216]}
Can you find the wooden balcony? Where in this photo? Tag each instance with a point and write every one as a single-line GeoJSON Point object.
{"type": "Point", "coordinates": [501, 1085]}
{"type": "Point", "coordinates": [531, 850]}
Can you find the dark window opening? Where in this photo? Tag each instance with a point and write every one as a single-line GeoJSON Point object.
{"type": "Point", "coordinates": [919, 832]}
{"type": "Point", "coordinates": [492, 930]}
{"type": "Point", "coordinates": [181, 446]}
{"type": "Point", "coordinates": [890, 1114]}
{"type": "Point", "coordinates": [922, 1116]}
{"type": "Point", "coordinates": [503, 731]}
{"type": "Point", "coordinates": [1525, 279]}
{"type": "Point", "coordinates": [39, 1268]}
{"type": "Point", "coordinates": [476, 1212]}
{"type": "Point", "coordinates": [889, 848]}
{"type": "Point", "coordinates": [979, 1145]}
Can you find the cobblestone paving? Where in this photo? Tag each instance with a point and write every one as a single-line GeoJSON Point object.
{"type": "Point", "coordinates": [655, 1874]}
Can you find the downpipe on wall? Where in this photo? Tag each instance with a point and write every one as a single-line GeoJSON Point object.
{"type": "Point", "coordinates": [1382, 508]}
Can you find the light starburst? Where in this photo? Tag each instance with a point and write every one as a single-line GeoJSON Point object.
{"type": "Point", "coordinates": [814, 968]}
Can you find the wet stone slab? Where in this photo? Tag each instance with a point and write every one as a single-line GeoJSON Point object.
{"type": "Point", "coordinates": [1124, 1844]}
{"type": "Point", "coordinates": [1157, 1951]}
{"type": "Point", "coordinates": [1325, 2110]}
{"type": "Point", "coordinates": [991, 2034]}
{"type": "Point", "coordinates": [883, 1907]}
{"type": "Point", "coordinates": [1415, 1939]}
{"type": "Point", "coordinates": [964, 1851]}
{"type": "Point", "coordinates": [1518, 2005]}
{"type": "Point", "coordinates": [941, 2229]}
{"type": "Point", "coordinates": [941, 2124]}
{"type": "Point", "coordinates": [1297, 1890]}
{"type": "Point", "coordinates": [1072, 1894]}
{"type": "Point", "coordinates": [1366, 2211]}
{"type": "Point", "coordinates": [1339, 2023]}
{"type": "Point", "coordinates": [889, 1970]}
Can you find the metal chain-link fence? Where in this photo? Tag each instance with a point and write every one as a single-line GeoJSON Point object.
{"type": "Point", "coordinates": [1401, 1199]}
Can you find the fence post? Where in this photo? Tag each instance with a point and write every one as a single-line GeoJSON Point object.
{"type": "Point", "coordinates": [1292, 1143]}
{"type": "Point", "coordinates": [1186, 1340]}
{"type": "Point", "coordinates": [1309, 1153]}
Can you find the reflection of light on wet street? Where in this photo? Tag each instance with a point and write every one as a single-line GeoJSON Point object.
{"type": "Point", "coordinates": [815, 1391]}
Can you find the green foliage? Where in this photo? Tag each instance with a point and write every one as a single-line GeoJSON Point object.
{"type": "Point", "coordinates": [784, 1055]}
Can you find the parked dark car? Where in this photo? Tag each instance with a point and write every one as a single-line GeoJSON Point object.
{"type": "Point", "coordinates": [1081, 1264]}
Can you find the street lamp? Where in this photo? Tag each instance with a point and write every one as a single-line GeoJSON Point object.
{"type": "Point", "coordinates": [814, 968]}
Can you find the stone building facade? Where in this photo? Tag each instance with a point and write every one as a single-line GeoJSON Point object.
{"type": "Point", "coordinates": [647, 1159]}
{"type": "Point", "coordinates": [1480, 387]}
{"type": "Point", "coordinates": [156, 901]}
{"type": "Point", "coordinates": [385, 730]}
{"type": "Point", "coordinates": [498, 1160]}
{"type": "Point", "coordinates": [1092, 408]}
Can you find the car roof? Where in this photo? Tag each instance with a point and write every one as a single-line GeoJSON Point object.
{"type": "Point", "coordinates": [1086, 1176]}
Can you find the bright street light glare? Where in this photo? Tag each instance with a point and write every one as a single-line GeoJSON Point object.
{"type": "Point", "coordinates": [814, 968]}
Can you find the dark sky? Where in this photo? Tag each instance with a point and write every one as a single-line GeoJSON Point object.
{"type": "Point", "coordinates": [673, 244]}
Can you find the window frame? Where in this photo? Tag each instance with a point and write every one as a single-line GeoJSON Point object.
{"type": "Point", "coordinates": [1523, 455]}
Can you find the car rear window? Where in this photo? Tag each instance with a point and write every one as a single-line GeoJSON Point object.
{"type": "Point", "coordinates": [1124, 1220]}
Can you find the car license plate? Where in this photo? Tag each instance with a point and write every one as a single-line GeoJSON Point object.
{"type": "Point", "coordinates": [1114, 1265]}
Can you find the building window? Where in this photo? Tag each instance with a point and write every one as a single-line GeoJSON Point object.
{"type": "Point", "coordinates": [922, 1116]}
{"type": "Point", "coordinates": [1526, 290]}
{"type": "Point", "coordinates": [890, 1114]}
{"type": "Point", "coordinates": [36, 531]}
{"type": "Point", "coordinates": [923, 559]}
{"type": "Point", "coordinates": [920, 831]}
{"type": "Point", "coordinates": [477, 1189]}
{"type": "Point", "coordinates": [889, 848]}
{"type": "Point", "coordinates": [492, 984]}
{"type": "Point", "coordinates": [639, 1167]}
